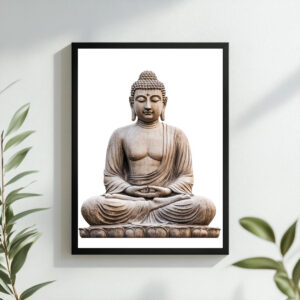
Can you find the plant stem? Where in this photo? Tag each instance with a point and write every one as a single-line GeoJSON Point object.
{"type": "Point", "coordinates": [3, 240]}
{"type": "Point", "coordinates": [297, 296]}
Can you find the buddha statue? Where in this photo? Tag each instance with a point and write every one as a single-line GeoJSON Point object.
{"type": "Point", "coordinates": [148, 173]}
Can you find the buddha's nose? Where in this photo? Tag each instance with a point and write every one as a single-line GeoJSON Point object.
{"type": "Point", "coordinates": [148, 104]}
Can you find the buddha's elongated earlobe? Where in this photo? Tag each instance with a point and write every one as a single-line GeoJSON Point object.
{"type": "Point", "coordinates": [162, 115]}
{"type": "Point", "coordinates": [133, 114]}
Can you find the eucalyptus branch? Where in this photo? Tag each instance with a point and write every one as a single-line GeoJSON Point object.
{"type": "Point", "coordinates": [3, 225]}
{"type": "Point", "coordinates": [15, 245]}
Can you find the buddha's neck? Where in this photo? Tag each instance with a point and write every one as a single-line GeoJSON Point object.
{"type": "Point", "coordinates": [147, 124]}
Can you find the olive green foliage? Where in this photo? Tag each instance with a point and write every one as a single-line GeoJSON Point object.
{"type": "Point", "coordinates": [15, 245]}
{"type": "Point", "coordinates": [288, 285]}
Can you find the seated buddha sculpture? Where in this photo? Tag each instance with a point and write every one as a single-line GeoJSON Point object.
{"type": "Point", "coordinates": [148, 173]}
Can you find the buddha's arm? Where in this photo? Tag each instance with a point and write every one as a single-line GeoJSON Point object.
{"type": "Point", "coordinates": [183, 166]}
{"type": "Point", "coordinates": [114, 173]}
{"type": "Point", "coordinates": [124, 197]}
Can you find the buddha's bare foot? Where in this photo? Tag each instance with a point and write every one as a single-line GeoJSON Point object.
{"type": "Point", "coordinates": [164, 201]}
{"type": "Point", "coordinates": [123, 197]}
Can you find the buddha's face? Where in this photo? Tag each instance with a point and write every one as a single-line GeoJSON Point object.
{"type": "Point", "coordinates": [148, 104]}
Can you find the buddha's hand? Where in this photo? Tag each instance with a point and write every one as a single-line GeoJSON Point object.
{"type": "Point", "coordinates": [148, 192]}
{"type": "Point", "coordinates": [160, 191]}
{"type": "Point", "coordinates": [135, 190]}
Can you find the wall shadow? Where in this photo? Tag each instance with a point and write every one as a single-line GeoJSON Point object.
{"type": "Point", "coordinates": [78, 22]}
{"type": "Point", "coordinates": [277, 97]}
{"type": "Point", "coordinates": [62, 192]}
{"type": "Point", "coordinates": [238, 292]}
{"type": "Point", "coordinates": [153, 290]}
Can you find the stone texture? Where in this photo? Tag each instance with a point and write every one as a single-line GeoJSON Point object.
{"type": "Point", "coordinates": [149, 231]}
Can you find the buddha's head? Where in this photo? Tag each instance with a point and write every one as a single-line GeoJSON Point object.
{"type": "Point", "coordinates": [148, 98]}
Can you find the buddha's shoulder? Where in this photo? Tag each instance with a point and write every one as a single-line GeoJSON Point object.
{"type": "Point", "coordinates": [177, 131]}
{"type": "Point", "coordinates": [122, 131]}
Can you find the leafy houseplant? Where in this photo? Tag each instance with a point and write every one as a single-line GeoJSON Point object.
{"type": "Point", "coordinates": [14, 245]}
{"type": "Point", "coordinates": [286, 284]}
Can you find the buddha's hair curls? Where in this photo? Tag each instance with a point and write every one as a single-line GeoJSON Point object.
{"type": "Point", "coordinates": [148, 81]}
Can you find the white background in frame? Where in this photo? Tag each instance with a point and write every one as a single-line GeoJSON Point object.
{"type": "Point", "coordinates": [194, 85]}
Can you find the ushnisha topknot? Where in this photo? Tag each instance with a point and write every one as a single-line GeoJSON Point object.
{"type": "Point", "coordinates": [148, 81]}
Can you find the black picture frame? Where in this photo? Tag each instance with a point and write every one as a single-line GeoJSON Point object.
{"type": "Point", "coordinates": [153, 251]}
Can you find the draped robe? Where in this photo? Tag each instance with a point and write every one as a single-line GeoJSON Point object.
{"type": "Point", "coordinates": [175, 172]}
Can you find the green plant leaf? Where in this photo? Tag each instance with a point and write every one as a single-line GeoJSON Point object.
{"type": "Point", "coordinates": [4, 276]}
{"type": "Point", "coordinates": [9, 228]}
{"type": "Point", "coordinates": [9, 237]}
{"type": "Point", "coordinates": [258, 227]}
{"type": "Point", "coordinates": [4, 288]}
{"type": "Point", "coordinates": [18, 119]}
{"type": "Point", "coordinates": [258, 263]}
{"type": "Point", "coordinates": [288, 239]}
{"type": "Point", "coordinates": [32, 237]}
{"type": "Point", "coordinates": [16, 191]}
{"type": "Point", "coordinates": [19, 176]}
{"type": "Point", "coordinates": [296, 273]}
{"type": "Point", "coordinates": [283, 284]}
{"type": "Point", "coordinates": [23, 214]}
{"type": "Point", "coordinates": [8, 214]}
{"type": "Point", "coordinates": [19, 260]}
{"type": "Point", "coordinates": [19, 196]}
{"type": "Point", "coordinates": [3, 268]}
{"type": "Point", "coordinates": [20, 234]}
{"type": "Point", "coordinates": [16, 140]}
{"type": "Point", "coordinates": [16, 159]}
{"type": "Point", "coordinates": [27, 293]}
{"type": "Point", "coordinates": [13, 192]}
{"type": "Point", "coordinates": [4, 281]}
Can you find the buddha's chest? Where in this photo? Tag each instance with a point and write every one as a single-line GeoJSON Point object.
{"type": "Point", "coordinates": [141, 144]}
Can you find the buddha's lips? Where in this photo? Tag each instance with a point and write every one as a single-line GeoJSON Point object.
{"type": "Point", "coordinates": [147, 112]}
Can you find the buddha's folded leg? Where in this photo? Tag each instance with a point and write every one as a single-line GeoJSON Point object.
{"type": "Point", "coordinates": [159, 202]}
{"type": "Point", "coordinates": [194, 211]}
{"type": "Point", "coordinates": [100, 210]}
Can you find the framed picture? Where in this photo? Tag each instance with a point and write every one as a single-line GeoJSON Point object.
{"type": "Point", "coordinates": [150, 148]}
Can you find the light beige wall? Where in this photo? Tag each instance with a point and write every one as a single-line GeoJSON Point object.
{"type": "Point", "coordinates": [264, 136]}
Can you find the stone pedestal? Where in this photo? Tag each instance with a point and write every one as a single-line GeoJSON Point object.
{"type": "Point", "coordinates": [149, 231]}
